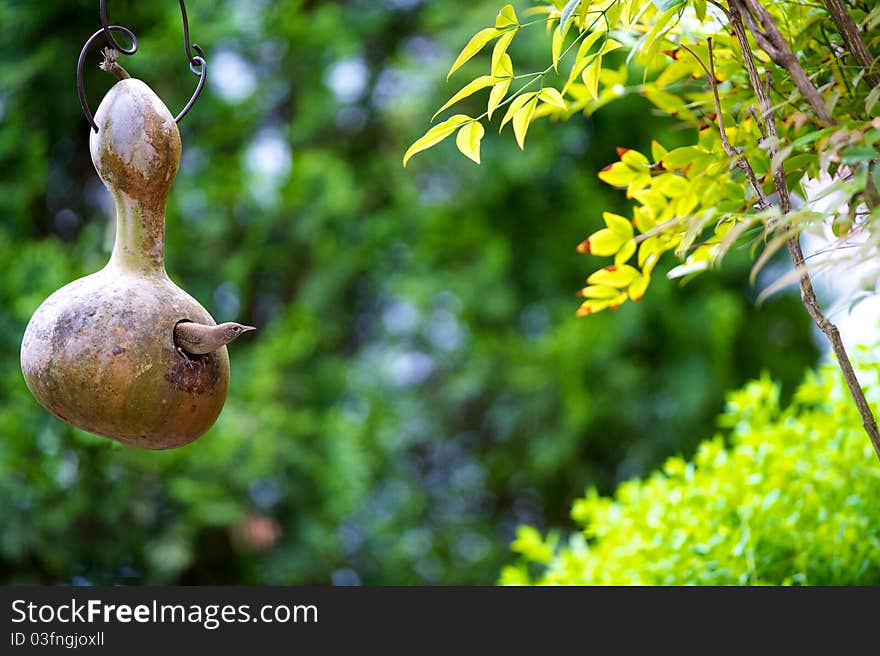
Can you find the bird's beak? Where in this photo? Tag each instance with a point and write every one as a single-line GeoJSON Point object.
{"type": "Point", "coordinates": [245, 329]}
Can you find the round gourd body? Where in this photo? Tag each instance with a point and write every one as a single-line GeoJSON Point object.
{"type": "Point", "coordinates": [99, 353]}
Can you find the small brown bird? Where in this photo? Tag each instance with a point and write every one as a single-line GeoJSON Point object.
{"type": "Point", "coordinates": [196, 338]}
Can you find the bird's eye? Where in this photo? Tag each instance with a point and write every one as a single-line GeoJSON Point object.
{"type": "Point", "coordinates": [236, 329]}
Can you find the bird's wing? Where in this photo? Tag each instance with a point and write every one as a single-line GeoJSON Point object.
{"type": "Point", "coordinates": [188, 333]}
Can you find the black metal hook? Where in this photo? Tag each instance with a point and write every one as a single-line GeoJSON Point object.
{"type": "Point", "coordinates": [197, 63]}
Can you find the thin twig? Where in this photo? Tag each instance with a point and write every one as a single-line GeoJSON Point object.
{"type": "Point", "coordinates": [732, 152]}
{"type": "Point", "coordinates": [758, 121]}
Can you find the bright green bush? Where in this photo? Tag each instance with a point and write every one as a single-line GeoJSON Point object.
{"type": "Point", "coordinates": [793, 499]}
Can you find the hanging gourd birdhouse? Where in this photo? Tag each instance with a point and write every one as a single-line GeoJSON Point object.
{"type": "Point", "coordinates": [125, 353]}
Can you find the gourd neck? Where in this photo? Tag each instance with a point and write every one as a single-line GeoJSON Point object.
{"type": "Point", "coordinates": [136, 152]}
{"type": "Point", "coordinates": [140, 234]}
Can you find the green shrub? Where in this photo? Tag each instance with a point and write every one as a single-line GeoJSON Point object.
{"type": "Point", "coordinates": [793, 499]}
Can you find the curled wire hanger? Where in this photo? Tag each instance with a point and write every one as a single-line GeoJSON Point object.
{"type": "Point", "coordinates": [197, 63]}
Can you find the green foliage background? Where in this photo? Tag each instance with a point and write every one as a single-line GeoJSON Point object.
{"type": "Point", "coordinates": [419, 385]}
{"type": "Point", "coordinates": [792, 500]}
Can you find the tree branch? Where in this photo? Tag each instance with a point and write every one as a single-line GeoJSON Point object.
{"type": "Point", "coordinates": [808, 294]}
{"type": "Point", "coordinates": [770, 40]}
{"type": "Point", "coordinates": [849, 31]}
{"type": "Point", "coordinates": [758, 121]}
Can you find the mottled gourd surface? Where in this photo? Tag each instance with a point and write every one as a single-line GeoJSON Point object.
{"type": "Point", "coordinates": [99, 353]}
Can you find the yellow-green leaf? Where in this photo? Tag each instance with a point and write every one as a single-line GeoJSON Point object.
{"type": "Point", "coordinates": [643, 220]}
{"type": "Point", "coordinates": [652, 201]}
{"type": "Point", "coordinates": [500, 50]}
{"type": "Point", "coordinates": [680, 157]}
{"type": "Point", "coordinates": [617, 174]}
{"type": "Point", "coordinates": [614, 276]}
{"type": "Point", "coordinates": [522, 119]}
{"type": "Point", "coordinates": [637, 287]}
{"type": "Point", "coordinates": [590, 76]}
{"type": "Point", "coordinates": [634, 159]}
{"type": "Point", "coordinates": [436, 134]}
{"type": "Point", "coordinates": [581, 60]}
{"type": "Point", "coordinates": [603, 242]}
{"type": "Point", "coordinates": [474, 46]}
{"type": "Point", "coordinates": [660, 23]}
{"type": "Point", "coordinates": [503, 67]}
{"type": "Point", "coordinates": [670, 185]}
{"type": "Point", "coordinates": [592, 306]}
{"type": "Point", "coordinates": [610, 45]}
{"type": "Point", "coordinates": [506, 17]}
{"type": "Point", "coordinates": [556, 45]}
{"type": "Point", "coordinates": [496, 96]}
{"type": "Point", "coordinates": [587, 43]}
{"type": "Point", "coordinates": [685, 204]}
{"type": "Point", "coordinates": [636, 10]}
{"type": "Point", "coordinates": [470, 88]}
{"type": "Point", "coordinates": [640, 182]}
{"type": "Point", "coordinates": [677, 70]}
{"type": "Point", "coordinates": [657, 150]}
{"type": "Point", "coordinates": [626, 251]}
{"type": "Point", "coordinates": [468, 140]}
{"type": "Point", "coordinates": [599, 291]}
{"type": "Point", "coordinates": [552, 96]}
{"type": "Point", "coordinates": [578, 68]}
{"type": "Point", "coordinates": [650, 251]}
{"type": "Point", "coordinates": [515, 106]}
{"type": "Point", "coordinates": [618, 225]}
